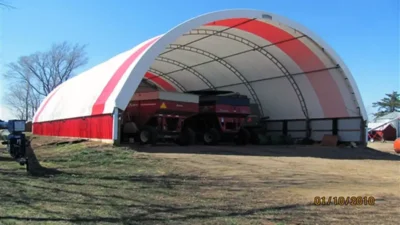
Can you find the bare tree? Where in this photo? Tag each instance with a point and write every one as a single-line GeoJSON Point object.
{"type": "Point", "coordinates": [34, 103]}
{"type": "Point", "coordinates": [17, 99]}
{"type": "Point", "coordinates": [33, 77]}
{"type": "Point", "coordinates": [3, 4]}
{"type": "Point", "coordinates": [44, 71]}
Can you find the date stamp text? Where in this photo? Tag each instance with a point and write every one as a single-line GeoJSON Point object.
{"type": "Point", "coordinates": [344, 200]}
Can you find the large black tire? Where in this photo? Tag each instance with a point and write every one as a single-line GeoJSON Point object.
{"type": "Point", "coordinates": [243, 137]}
{"type": "Point", "coordinates": [148, 135]}
{"type": "Point", "coordinates": [211, 137]}
{"type": "Point", "coordinates": [254, 139]}
{"type": "Point", "coordinates": [187, 137]}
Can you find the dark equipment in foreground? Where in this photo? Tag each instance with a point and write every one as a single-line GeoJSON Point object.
{"type": "Point", "coordinates": [15, 139]}
{"type": "Point", "coordinates": [220, 118]}
{"type": "Point", "coordinates": [157, 116]}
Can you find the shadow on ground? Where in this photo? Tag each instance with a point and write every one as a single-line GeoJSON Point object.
{"type": "Point", "coordinates": [133, 210]}
{"type": "Point", "coordinates": [124, 194]}
{"type": "Point", "coordinates": [6, 159]}
{"type": "Point", "coordinates": [276, 151]}
{"type": "Point", "coordinates": [149, 216]}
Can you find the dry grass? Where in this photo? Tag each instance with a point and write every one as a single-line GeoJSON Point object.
{"type": "Point", "coordinates": [100, 184]}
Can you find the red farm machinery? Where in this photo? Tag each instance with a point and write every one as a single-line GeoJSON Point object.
{"type": "Point", "coordinates": [157, 116]}
{"type": "Point", "coordinates": [220, 118]}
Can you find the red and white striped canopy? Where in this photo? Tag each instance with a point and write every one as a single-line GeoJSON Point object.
{"type": "Point", "coordinates": [286, 70]}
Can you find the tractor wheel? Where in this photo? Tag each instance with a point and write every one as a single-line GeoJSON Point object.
{"type": "Point", "coordinates": [148, 135]}
{"type": "Point", "coordinates": [211, 137]}
{"type": "Point", "coordinates": [27, 166]}
{"type": "Point", "coordinates": [187, 137]}
{"type": "Point", "coordinates": [242, 137]}
{"type": "Point", "coordinates": [254, 139]}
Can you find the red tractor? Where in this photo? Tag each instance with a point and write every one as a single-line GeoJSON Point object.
{"type": "Point", "coordinates": [157, 116]}
{"type": "Point", "coordinates": [220, 118]}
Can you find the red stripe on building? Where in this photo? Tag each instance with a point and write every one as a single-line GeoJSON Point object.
{"type": "Point", "coordinates": [95, 127]}
{"type": "Point", "coordinates": [325, 87]}
{"type": "Point", "coordinates": [99, 105]}
{"type": "Point", "coordinates": [46, 102]}
{"type": "Point", "coordinates": [159, 81]}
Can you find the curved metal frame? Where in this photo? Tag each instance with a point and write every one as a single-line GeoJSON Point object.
{"type": "Point", "coordinates": [227, 65]}
{"type": "Point", "coordinates": [187, 68]}
{"type": "Point", "coordinates": [261, 50]}
{"type": "Point", "coordinates": [202, 38]}
{"type": "Point", "coordinates": [172, 80]}
{"type": "Point", "coordinates": [151, 83]}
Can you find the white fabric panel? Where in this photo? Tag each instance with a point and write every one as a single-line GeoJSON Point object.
{"type": "Point", "coordinates": [349, 135]}
{"type": "Point", "coordinates": [187, 57]}
{"type": "Point", "coordinates": [188, 80]}
{"type": "Point", "coordinates": [290, 65]}
{"type": "Point", "coordinates": [274, 125]}
{"type": "Point", "coordinates": [274, 133]}
{"type": "Point", "coordinates": [352, 101]}
{"type": "Point", "coordinates": [111, 104]}
{"type": "Point", "coordinates": [296, 125]}
{"type": "Point", "coordinates": [76, 97]}
{"type": "Point", "coordinates": [297, 134]}
{"type": "Point", "coordinates": [185, 39]}
{"type": "Point", "coordinates": [254, 66]}
{"type": "Point", "coordinates": [338, 77]}
{"type": "Point", "coordinates": [219, 46]}
{"type": "Point", "coordinates": [218, 74]}
{"type": "Point", "coordinates": [321, 124]}
{"type": "Point", "coordinates": [318, 135]}
{"type": "Point", "coordinates": [318, 52]}
{"type": "Point", "coordinates": [278, 98]}
{"type": "Point", "coordinates": [260, 62]}
{"type": "Point", "coordinates": [164, 66]}
{"type": "Point", "coordinates": [349, 124]}
{"type": "Point", "coordinates": [310, 97]}
{"type": "Point", "coordinates": [273, 50]}
{"type": "Point", "coordinates": [42, 106]}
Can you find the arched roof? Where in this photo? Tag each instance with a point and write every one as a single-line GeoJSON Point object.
{"type": "Point", "coordinates": [283, 67]}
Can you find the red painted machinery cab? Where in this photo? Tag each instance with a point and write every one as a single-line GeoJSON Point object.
{"type": "Point", "coordinates": [221, 117]}
{"type": "Point", "coordinates": [157, 116]}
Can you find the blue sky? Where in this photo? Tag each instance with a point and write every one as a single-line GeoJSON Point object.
{"type": "Point", "coordinates": [364, 33]}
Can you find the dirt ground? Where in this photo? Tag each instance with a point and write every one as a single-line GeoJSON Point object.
{"type": "Point", "coordinates": [203, 185]}
{"type": "Point", "coordinates": [288, 175]}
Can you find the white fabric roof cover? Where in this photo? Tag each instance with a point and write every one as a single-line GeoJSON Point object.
{"type": "Point", "coordinates": [388, 117]}
{"type": "Point", "coordinates": [284, 68]}
{"type": "Point", "coordinates": [379, 126]}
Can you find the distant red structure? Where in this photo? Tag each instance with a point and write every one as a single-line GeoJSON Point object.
{"type": "Point", "coordinates": [386, 132]}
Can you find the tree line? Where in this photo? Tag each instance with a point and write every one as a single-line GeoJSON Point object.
{"type": "Point", "coordinates": [390, 103]}
{"type": "Point", "coordinates": [31, 78]}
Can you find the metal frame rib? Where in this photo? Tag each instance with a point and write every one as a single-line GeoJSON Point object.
{"type": "Point", "coordinates": [172, 80]}
{"type": "Point", "coordinates": [239, 53]}
{"type": "Point", "coordinates": [187, 68]}
{"type": "Point", "coordinates": [202, 38]}
{"type": "Point", "coordinates": [264, 52]}
{"type": "Point", "coordinates": [224, 63]}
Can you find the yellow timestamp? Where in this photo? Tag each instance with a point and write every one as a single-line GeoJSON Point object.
{"type": "Point", "coordinates": [342, 200]}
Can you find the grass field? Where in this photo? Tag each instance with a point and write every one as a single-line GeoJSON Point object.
{"type": "Point", "coordinates": [100, 184]}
